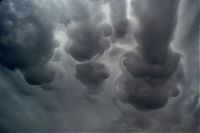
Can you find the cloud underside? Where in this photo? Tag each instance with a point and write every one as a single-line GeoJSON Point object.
{"type": "Point", "coordinates": [117, 65]}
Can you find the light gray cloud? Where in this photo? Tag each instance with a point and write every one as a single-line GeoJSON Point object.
{"type": "Point", "coordinates": [119, 17]}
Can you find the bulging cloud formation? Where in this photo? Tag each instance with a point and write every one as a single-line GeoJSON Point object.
{"type": "Point", "coordinates": [89, 38]}
{"type": "Point", "coordinates": [87, 42]}
{"type": "Point", "coordinates": [153, 69]}
{"type": "Point", "coordinates": [119, 17]}
{"type": "Point", "coordinates": [92, 74]}
{"type": "Point", "coordinates": [26, 42]}
{"type": "Point", "coordinates": [151, 73]}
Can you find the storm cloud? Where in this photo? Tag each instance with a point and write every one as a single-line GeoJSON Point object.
{"type": "Point", "coordinates": [88, 34]}
{"type": "Point", "coordinates": [26, 42]}
{"type": "Point", "coordinates": [153, 66]}
{"type": "Point", "coordinates": [119, 17]}
{"type": "Point", "coordinates": [92, 74]}
{"type": "Point", "coordinates": [85, 31]}
{"type": "Point", "coordinates": [99, 66]}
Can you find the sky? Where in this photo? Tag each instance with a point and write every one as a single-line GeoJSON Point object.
{"type": "Point", "coordinates": [99, 66]}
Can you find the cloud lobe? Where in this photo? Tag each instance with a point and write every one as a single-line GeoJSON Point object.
{"type": "Point", "coordinates": [26, 42]}
{"type": "Point", "coordinates": [154, 68]}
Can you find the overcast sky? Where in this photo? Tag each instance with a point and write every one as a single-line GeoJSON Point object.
{"type": "Point", "coordinates": [99, 66]}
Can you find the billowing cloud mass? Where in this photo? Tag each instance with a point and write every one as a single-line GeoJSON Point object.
{"type": "Point", "coordinates": [88, 33]}
{"type": "Point", "coordinates": [153, 66]}
{"type": "Point", "coordinates": [119, 17]}
{"type": "Point", "coordinates": [26, 42]}
{"type": "Point", "coordinates": [92, 74]}
{"type": "Point", "coordinates": [99, 66]}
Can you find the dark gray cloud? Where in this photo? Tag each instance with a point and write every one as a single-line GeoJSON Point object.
{"type": "Point", "coordinates": [92, 74]}
{"type": "Point", "coordinates": [88, 34]}
{"type": "Point", "coordinates": [25, 108]}
{"type": "Point", "coordinates": [87, 45]}
{"type": "Point", "coordinates": [26, 41]}
{"type": "Point", "coordinates": [154, 64]}
{"type": "Point", "coordinates": [106, 30]}
{"type": "Point", "coordinates": [85, 32]}
{"type": "Point", "coordinates": [175, 115]}
{"type": "Point", "coordinates": [157, 69]}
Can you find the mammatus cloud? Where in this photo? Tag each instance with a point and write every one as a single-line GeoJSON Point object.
{"type": "Point", "coordinates": [26, 42]}
{"type": "Point", "coordinates": [153, 68]}
{"type": "Point", "coordinates": [92, 74]}
{"type": "Point", "coordinates": [186, 42]}
{"type": "Point", "coordinates": [150, 46]}
{"type": "Point", "coordinates": [88, 34]}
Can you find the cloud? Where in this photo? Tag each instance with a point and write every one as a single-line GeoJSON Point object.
{"type": "Point", "coordinates": [26, 41]}
{"type": "Point", "coordinates": [175, 115]}
{"type": "Point", "coordinates": [85, 31]}
{"type": "Point", "coordinates": [88, 36]}
{"type": "Point", "coordinates": [154, 66]}
{"type": "Point", "coordinates": [92, 74]}
{"type": "Point", "coordinates": [119, 17]}
{"type": "Point", "coordinates": [26, 108]}
{"type": "Point", "coordinates": [157, 90]}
